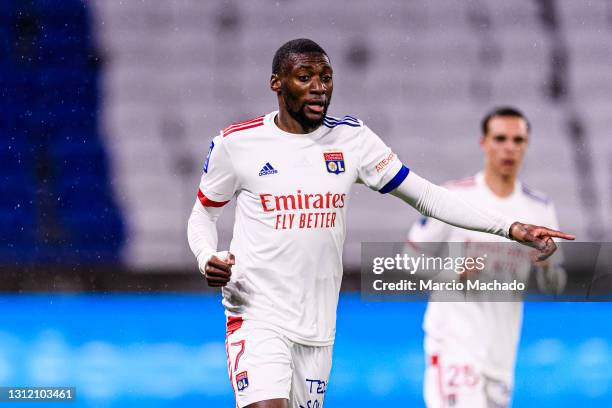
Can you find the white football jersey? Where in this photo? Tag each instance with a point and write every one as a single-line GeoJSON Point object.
{"type": "Point", "coordinates": [292, 192]}
{"type": "Point", "coordinates": [489, 331]}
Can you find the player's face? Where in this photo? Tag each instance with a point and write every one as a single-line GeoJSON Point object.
{"type": "Point", "coordinates": [306, 88]}
{"type": "Point", "coordinates": [505, 144]}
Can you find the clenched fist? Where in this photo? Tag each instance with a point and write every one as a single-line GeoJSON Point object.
{"type": "Point", "coordinates": [217, 271]}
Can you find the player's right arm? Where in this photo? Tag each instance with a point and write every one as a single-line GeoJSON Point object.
{"type": "Point", "coordinates": [218, 184]}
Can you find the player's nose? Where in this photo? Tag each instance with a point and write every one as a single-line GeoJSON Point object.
{"type": "Point", "coordinates": [510, 146]}
{"type": "Point", "coordinates": [316, 86]}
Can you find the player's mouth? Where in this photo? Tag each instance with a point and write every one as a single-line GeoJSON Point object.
{"type": "Point", "coordinates": [508, 162]}
{"type": "Point", "coordinates": [316, 107]}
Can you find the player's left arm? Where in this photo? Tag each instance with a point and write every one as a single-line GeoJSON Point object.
{"type": "Point", "coordinates": [437, 202]}
{"type": "Point", "coordinates": [381, 170]}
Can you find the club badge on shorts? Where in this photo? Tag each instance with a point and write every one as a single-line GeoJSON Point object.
{"type": "Point", "coordinates": [334, 162]}
{"type": "Point", "coordinates": [242, 380]}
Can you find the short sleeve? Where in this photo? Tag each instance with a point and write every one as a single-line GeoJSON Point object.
{"type": "Point", "coordinates": [379, 168]}
{"type": "Point", "coordinates": [219, 181]}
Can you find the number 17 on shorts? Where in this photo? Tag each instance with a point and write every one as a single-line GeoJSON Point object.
{"type": "Point", "coordinates": [263, 365]}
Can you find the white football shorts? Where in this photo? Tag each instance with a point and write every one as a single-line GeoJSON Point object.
{"type": "Point", "coordinates": [263, 364]}
{"type": "Point", "coordinates": [455, 379]}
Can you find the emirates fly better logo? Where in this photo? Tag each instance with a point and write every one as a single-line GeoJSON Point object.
{"type": "Point", "coordinates": [303, 210]}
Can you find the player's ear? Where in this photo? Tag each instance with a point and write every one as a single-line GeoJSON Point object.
{"type": "Point", "coordinates": [482, 141]}
{"type": "Point", "coordinates": [275, 83]}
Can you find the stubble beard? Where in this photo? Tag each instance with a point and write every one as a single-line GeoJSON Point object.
{"type": "Point", "coordinates": [300, 115]}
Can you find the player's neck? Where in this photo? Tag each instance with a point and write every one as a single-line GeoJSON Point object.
{"type": "Point", "coordinates": [286, 123]}
{"type": "Point", "coordinates": [501, 185]}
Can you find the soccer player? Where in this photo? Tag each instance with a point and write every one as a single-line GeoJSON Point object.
{"type": "Point", "coordinates": [470, 347]}
{"type": "Point", "coordinates": [291, 172]}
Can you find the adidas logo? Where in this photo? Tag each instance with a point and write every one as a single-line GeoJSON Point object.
{"type": "Point", "coordinates": [267, 169]}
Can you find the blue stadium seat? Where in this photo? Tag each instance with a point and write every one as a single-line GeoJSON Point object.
{"type": "Point", "coordinates": [50, 109]}
{"type": "Point", "coordinates": [15, 152]}
{"type": "Point", "coordinates": [6, 36]}
{"type": "Point", "coordinates": [17, 217]}
{"type": "Point", "coordinates": [17, 194]}
{"type": "Point", "coordinates": [7, 10]}
{"type": "Point", "coordinates": [65, 10]}
{"type": "Point", "coordinates": [83, 193]}
{"type": "Point", "coordinates": [79, 160]}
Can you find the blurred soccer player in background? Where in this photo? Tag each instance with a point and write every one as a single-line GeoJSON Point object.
{"type": "Point", "coordinates": [291, 172]}
{"type": "Point", "coordinates": [471, 346]}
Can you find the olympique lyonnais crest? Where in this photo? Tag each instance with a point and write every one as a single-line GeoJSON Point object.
{"type": "Point", "coordinates": [334, 162]}
{"type": "Point", "coordinates": [242, 380]}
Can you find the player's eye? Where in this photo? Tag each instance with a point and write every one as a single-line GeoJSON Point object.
{"type": "Point", "coordinates": [519, 140]}
{"type": "Point", "coordinates": [326, 78]}
{"type": "Point", "coordinates": [304, 78]}
{"type": "Point", "coordinates": [500, 139]}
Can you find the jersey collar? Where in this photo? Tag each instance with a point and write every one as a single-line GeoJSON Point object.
{"type": "Point", "coordinates": [480, 182]}
{"type": "Point", "coordinates": [269, 122]}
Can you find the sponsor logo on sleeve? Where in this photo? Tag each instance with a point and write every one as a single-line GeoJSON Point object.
{"type": "Point", "coordinates": [384, 162]}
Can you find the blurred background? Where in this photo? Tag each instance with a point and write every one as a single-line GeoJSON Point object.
{"type": "Point", "coordinates": [107, 111]}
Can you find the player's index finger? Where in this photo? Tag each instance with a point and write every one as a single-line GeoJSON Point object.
{"type": "Point", "coordinates": [559, 234]}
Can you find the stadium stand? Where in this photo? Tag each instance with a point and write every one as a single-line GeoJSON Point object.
{"type": "Point", "coordinates": [108, 108]}
{"type": "Point", "coordinates": [57, 204]}
{"type": "Point", "coordinates": [419, 73]}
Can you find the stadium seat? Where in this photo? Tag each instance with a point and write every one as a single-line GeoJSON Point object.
{"type": "Point", "coordinates": [429, 71]}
